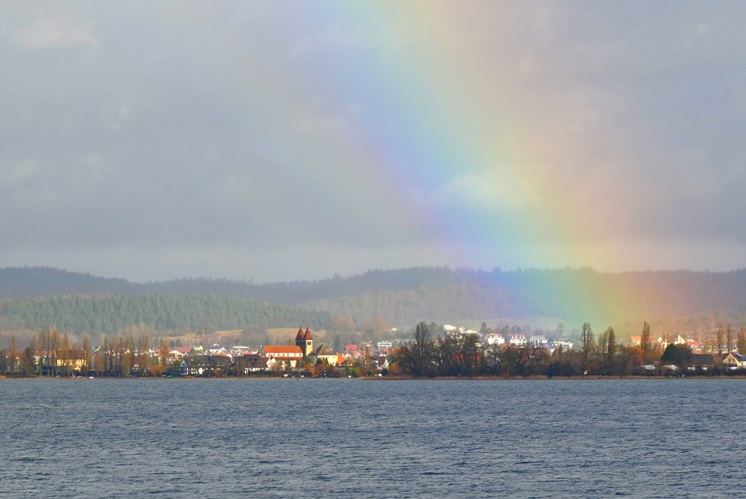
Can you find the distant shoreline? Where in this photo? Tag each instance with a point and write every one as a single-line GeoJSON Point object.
{"type": "Point", "coordinates": [547, 378]}
{"type": "Point", "coordinates": [384, 378]}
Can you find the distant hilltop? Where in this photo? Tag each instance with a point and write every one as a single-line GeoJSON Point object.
{"type": "Point", "coordinates": [22, 282]}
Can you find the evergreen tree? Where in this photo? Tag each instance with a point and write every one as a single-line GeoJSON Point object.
{"type": "Point", "coordinates": [611, 348]}
{"type": "Point", "coordinates": [676, 354]}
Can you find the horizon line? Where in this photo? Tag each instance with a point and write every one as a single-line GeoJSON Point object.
{"type": "Point", "coordinates": [334, 276]}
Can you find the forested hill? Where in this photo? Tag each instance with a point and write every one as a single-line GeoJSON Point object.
{"type": "Point", "coordinates": [300, 292]}
{"type": "Point", "coordinates": [111, 313]}
{"type": "Point", "coordinates": [21, 282]}
{"type": "Point", "coordinates": [406, 296]}
{"type": "Point", "coordinates": [574, 295]}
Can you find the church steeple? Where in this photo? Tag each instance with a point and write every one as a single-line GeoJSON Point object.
{"type": "Point", "coordinates": [307, 343]}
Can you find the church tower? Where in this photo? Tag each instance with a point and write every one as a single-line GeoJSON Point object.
{"type": "Point", "coordinates": [308, 343]}
{"type": "Point", "coordinates": [300, 340]}
{"type": "Point", "coordinates": [304, 340]}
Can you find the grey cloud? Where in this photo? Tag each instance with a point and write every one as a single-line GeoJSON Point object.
{"type": "Point", "coordinates": [186, 131]}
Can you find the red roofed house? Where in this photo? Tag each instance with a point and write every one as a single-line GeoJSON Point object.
{"type": "Point", "coordinates": [280, 357]}
{"type": "Point", "coordinates": [177, 353]}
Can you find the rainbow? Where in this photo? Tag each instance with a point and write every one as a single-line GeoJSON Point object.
{"type": "Point", "coordinates": [439, 116]}
{"type": "Point", "coordinates": [436, 112]}
{"type": "Point", "coordinates": [435, 118]}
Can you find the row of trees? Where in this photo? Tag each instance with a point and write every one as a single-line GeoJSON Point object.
{"type": "Point", "coordinates": [466, 356]}
{"type": "Point", "coordinates": [48, 353]}
{"type": "Point", "coordinates": [724, 341]}
{"type": "Point", "coordinates": [125, 355]}
{"type": "Point", "coordinates": [51, 353]}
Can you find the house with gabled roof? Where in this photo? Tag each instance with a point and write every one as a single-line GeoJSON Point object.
{"type": "Point", "coordinates": [280, 356]}
{"type": "Point", "coordinates": [177, 353]}
{"type": "Point", "coordinates": [518, 340]}
{"type": "Point", "coordinates": [494, 338]}
{"type": "Point", "coordinates": [249, 363]}
{"type": "Point", "coordinates": [205, 365]}
{"type": "Point", "coordinates": [701, 360]}
{"type": "Point", "coordinates": [327, 355]}
{"type": "Point", "coordinates": [735, 359]}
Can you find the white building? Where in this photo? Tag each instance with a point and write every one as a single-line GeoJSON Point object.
{"type": "Point", "coordinates": [382, 345]}
{"type": "Point", "coordinates": [494, 339]}
{"type": "Point", "coordinates": [518, 340]}
{"type": "Point", "coordinates": [538, 340]}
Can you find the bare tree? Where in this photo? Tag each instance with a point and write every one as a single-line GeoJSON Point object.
{"type": "Point", "coordinates": [86, 355]}
{"type": "Point", "coordinates": [646, 341]}
{"type": "Point", "coordinates": [586, 341]}
{"type": "Point", "coordinates": [165, 353]}
{"type": "Point", "coordinates": [417, 357]}
{"type": "Point", "coordinates": [143, 353]}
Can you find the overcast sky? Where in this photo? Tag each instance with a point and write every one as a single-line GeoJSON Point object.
{"type": "Point", "coordinates": [281, 140]}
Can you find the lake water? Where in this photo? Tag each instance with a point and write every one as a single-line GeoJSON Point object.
{"type": "Point", "coordinates": [354, 438]}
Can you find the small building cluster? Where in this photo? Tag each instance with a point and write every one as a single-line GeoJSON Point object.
{"type": "Point", "coordinates": [302, 357]}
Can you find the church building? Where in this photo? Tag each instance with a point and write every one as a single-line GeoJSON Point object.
{"type": "Point", "coordinates": [304, 340]}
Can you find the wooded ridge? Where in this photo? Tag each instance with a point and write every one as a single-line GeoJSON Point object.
{"type": "Point", "coordinates": [37, 296]}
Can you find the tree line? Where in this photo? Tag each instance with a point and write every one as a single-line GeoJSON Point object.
{"type": "Point", "coordinates": [52, 353]}
{"type": "Point", "coordinates": [464, 355]}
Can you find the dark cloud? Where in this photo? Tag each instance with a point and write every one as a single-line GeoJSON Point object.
{"type": "Point", "coordinates": [159, 139]}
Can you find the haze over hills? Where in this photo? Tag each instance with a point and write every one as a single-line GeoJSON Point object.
{"type": "Point", "coordinates": [536, 152]}
{"type": "Point", "coordinates": [23, 282]}
{"type": "Point", "coordinates": [32, 296]}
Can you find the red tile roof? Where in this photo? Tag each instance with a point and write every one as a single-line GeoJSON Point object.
{"type": "Point", "coordinates": [275, 349]}
{"type": "Point", "coordinates": [308, 336]}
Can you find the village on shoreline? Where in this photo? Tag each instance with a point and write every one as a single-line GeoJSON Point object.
{"type": "Point", "coordinates": [450, 353]}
